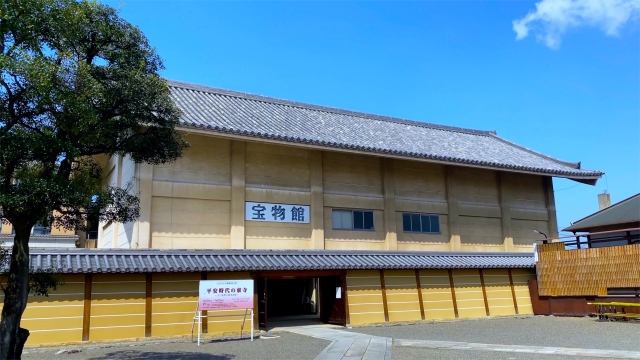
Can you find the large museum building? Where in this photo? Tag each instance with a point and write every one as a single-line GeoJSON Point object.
{"type": "Point", "coordinates": [337, 216]}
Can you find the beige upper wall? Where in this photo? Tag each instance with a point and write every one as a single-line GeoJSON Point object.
{"type": "Point", "coordinates": [479, 210]}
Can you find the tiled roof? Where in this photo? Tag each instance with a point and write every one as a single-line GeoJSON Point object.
{"type": "Point", "coordinates": [236, 113]}
{"type": "Point", "coordinates": [137, 261]}
{"type": "Point", "coordinates": [624, 212]}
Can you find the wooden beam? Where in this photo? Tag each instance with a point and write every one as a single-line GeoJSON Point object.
{"type": "Point", "coordinates": [484, 293]}
{"type": "Point", "coordinates": [388, 184]}
{"type": "Point", "coordinates": [86, 316]}
{"type": "Point", "coordinates": [148, 304]}
{"type": "Point", "coordinates": [205, 320]}
{"type": "Point", "coordinates": [453, 294]}
{"type": "Point", "coordinates": [452, 211]}
{"type": "Point", "coordinates": [293, 274]}
{"type": "Point", "coordinates": [513, 292]}
{"type": "Point", "coordinates": [237, 194]}
{"type": "Point", "coordinates": [551, 207]}
{"type": "Point", "coordinates": [419, 286]}
{"type": "Point", "coordinates": [505, 211]}
{"type": "Point", "coordinates": [384, 296]}
{"type": "Point", "coordinates": [346, 298]}
{"type": "Point", "coordinates": [317, 199]}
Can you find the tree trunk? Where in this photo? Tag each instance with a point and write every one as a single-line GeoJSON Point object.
{"type": "Point", "coordinates": [12, 336]}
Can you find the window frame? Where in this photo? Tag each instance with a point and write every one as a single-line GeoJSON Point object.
{"type": "Point", "coordinates": [373, 219]}
{"type": "Point", "coordinates": [437, 216]}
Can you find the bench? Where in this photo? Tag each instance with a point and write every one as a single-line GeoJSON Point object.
{"type": "Point", "coordinates": [609, 311]}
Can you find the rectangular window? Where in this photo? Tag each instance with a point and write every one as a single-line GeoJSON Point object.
{"type": "Point", "coordinates": [421, 223]}
{"type": "Point", "coordinates": [352, 220]}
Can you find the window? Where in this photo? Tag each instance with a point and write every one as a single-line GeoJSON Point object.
{"type": "Point", "coordinates": [352, 220]}
{"type": "Point", "coordinates": [421, 223]}
{"type": "Point", "coordinates": [41, 229]}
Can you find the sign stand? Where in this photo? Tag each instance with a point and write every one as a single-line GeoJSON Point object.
{"type": "Point", "coordinates": [198, 316]}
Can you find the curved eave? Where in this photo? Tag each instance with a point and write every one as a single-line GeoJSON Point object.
{"type": "Point", "coordinates": [585, 177]}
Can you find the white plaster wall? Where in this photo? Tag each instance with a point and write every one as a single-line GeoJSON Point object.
{"type": "Point", "coordinates": [125, 231]}
{"type": "Point", "coordinates": [105, 239]}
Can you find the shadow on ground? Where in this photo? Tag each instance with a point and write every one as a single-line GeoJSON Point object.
{"type": "Point", "coordinates": [183, 355]}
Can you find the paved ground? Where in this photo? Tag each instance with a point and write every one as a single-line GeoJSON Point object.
{"type": "Point", "coordinates": [347, 345]}
{"type": "Point", "coordinates": [404, 353]}
{"type": "Point", "coordinates": [285, 346]}
{"type": "Point", "coordinates": [547, 338]}
{"type": "Point", "coordinates": [585, 333]}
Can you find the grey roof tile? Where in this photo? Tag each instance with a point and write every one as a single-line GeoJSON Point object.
{"type": "Point", "coordinates": [137, 261]}
{"type": "Point", "coordinates": [224, 111]}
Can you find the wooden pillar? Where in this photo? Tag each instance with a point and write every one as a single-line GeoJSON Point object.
{"type": "Point", "coordinates": [205, 320]}
{"type": "Point", "coordinates": [345, 297]}
{"type": "Point", "coordinates": [551, 207]}
{"type": "Point", "coordinates": [484, 293]}
{"type": "Point", "coordinates": [505, 211]}
{"type": "Point", "coordinates": [453, 294]}
{"type": "Point", "coordinates": [86, 317]}
{"type": "Point", "coordinates": [237, 194]}
{"type": "Point", "coordinates": [384, 296]}
{"type": "Point", "coordinates": [453, 214]}
{"type": "Point", "coordinates": [148, 304]}
{"type": "Point", "coordinates": [388, 183]}
{"type": "Point", "coordinates": [513, 293]}
{"type": "Point", "coordinates": [317, 199]}
{"type": "Point", "coordinates": [419, 286]}
{"type": "Point", "coordinates": [145, 188]}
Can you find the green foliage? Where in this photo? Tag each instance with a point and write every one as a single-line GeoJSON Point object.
{"type": "Point", "coordinates": [41, 281]}
{"type": "Point", "coordinates": [76, 82]}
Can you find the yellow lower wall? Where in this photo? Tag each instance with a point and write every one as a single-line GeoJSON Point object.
{"type": "Point", "coordinates": [402, 295]}
{"type": "Point", "coordinates": [437, 298]}
{"type": "Point", "coordinates": [118, 302]}
{"type": "Point", "coordinates": [58, 317]}
{"type": "Point", "coordinates": [364, 296]}
{"type": "Point", "coordinates": [469, 298]}
{"type": "Point", "coordinates": [498, 289]}
{"type": "Point", "coordinates": [117, 306]}
{"type": "Point", "coordinates": [174, 301]}
{"type": "Point", "coordinates": [521, 288]}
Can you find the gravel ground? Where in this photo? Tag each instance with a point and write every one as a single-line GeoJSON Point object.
{"type": "Point", "coordinates": [285, 346]}
{"type": "Point", "coordinates": [406, 353]}
{"type": "Point", "coordinates": [587, 333]}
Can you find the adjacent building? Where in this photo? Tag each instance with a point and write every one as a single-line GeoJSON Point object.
{"type": "Point", "coordinates": [601, 264]}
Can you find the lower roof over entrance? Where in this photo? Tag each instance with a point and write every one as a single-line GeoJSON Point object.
{"type": "Point", "coordinates": [142, 261]}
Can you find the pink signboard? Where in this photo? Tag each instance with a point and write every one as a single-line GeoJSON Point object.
{"type": "Point", "coordinates": [225, 294]}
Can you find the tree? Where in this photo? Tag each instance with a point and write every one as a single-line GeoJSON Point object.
{"type": "Point", "coordinates": [76, 82]}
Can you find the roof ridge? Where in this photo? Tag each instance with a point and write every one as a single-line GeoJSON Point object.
{"type": "Point", "coordinates": [575, 165]}
{"type": "Point", "coordinates": [329, 109]}
{"type": "Point", "coordinates": [605, 209]}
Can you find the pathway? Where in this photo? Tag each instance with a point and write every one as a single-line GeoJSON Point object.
{"type": "Point", "coordinates": [347, 345]}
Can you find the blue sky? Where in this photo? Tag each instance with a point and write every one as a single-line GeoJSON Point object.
{"type": "Point", "coordinates": [570, 89]}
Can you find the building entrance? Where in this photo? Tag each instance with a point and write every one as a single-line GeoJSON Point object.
{"type": "Point", "coordinates": [289, 298]}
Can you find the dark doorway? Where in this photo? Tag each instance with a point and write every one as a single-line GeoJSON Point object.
{"type": "Point", "coordinates": [292, 297]}
{"type": "Point", "coordinates": [332, 294]}
{"type": "Point", "coordinates": [261, 292]}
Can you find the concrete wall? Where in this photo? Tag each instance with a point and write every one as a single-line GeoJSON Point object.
{"type": "Point", "coordinates": [198, 201]}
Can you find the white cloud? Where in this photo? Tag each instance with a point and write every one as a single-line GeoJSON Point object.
{"type": "Point", "coordinates": [553, 17]}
